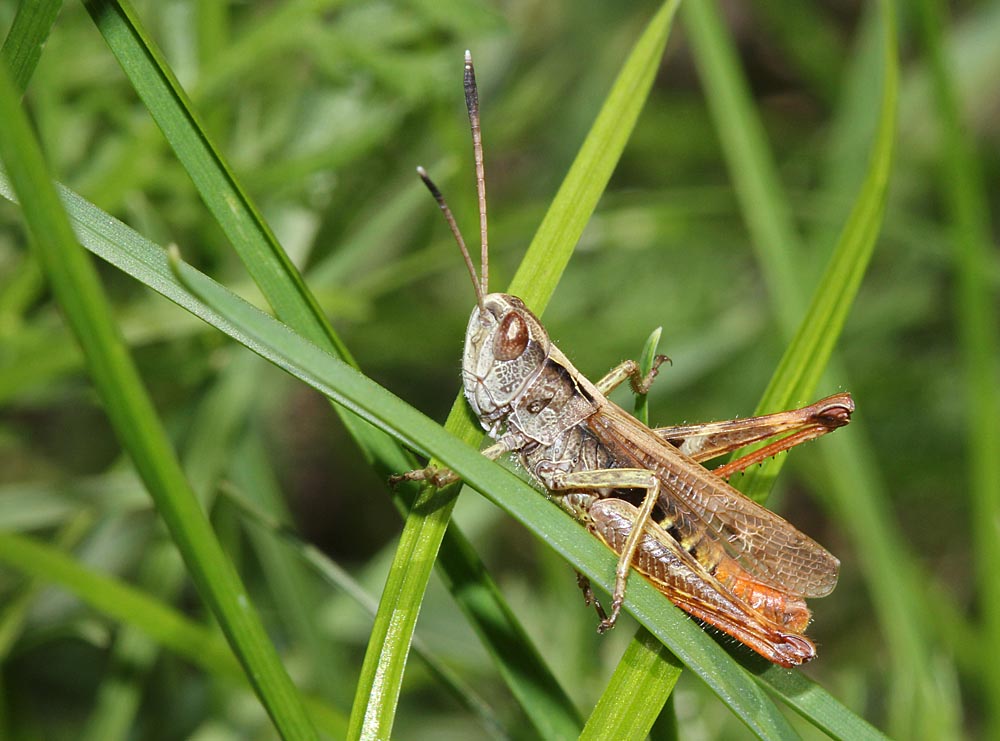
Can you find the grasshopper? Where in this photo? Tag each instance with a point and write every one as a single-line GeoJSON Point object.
{"type": "Point", "coordinates": [717, 555]}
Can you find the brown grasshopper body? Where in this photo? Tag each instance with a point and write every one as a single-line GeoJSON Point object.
{"type": "Point", "coordinates": [716, 554]}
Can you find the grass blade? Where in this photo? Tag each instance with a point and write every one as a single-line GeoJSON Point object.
{"type": "Point", "coordinates": [635, 696]}
{"type": "Point", "coordinates": [17, 605]}
{"type": "Point", "coordinates": [553, 243]}
{"type": "Point", "coordinates": [218, 186]}
{"type": "Point", "coordinates": [769, 218]}
{"type": "Point", "coordinates": [282, 346]}
{"type": "Point", "coordinates": [285, 537]}
{"type": "Point", "coordinates": [966, 196]}
{"type": "Point", "coordinates": [204, 456]}
{"type": "Point", "coordinates": [770, 222]}
{"type": "Point", "coordinates": [283, 287]}
{"type": "Point", "coordinates": [75, 283]}
{"type": "Point", "coordinates": [818, 706]}
{"type": "Point", "coordinates": [130, 606]}
{"type": "Point", "coordinates": [127, 250]}
{"type": "Point", "coordinates": [541, 696]}
{"type": "Point", "coordinates": [378, 689]}
{"type": "Point", "coordinates": [23, 46]}
{"type": "Point", "coordinates": [151, 266]}
{"type": "Point", "coordinates": [645, 677]}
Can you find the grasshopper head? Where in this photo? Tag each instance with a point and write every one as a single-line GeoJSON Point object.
{"type": "Point", "coordinates": [505, 348]}
{"type": "Point", "coordinates": [505, 344]}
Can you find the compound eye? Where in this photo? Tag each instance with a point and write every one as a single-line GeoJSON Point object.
{"type": "Point", "coordinates": [511, 338]}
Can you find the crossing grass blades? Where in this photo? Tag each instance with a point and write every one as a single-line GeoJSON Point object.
{"type": "Point", "coordinates": [642, 491]}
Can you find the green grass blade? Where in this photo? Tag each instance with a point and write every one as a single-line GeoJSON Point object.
{"type": "Point", "coordinates": [23, 46]}
{"type": "Point", "coordinates": [637, 691]}
{"type": "Point", "coordinates": [284, 289]}
{"type": "Point", "coordinates": [776, 240]}
{"type": "Point", "coordinates": [755, 179]}
{"type": "Point", "coordinates": [75, 284]}
{"type": "Point", "coordinates": [852, 479]}
{"type": "Point", "coordinates": [129, 606]}
{"type": "Point", "coordinates": [121, 602]}
{"type": "Point", "coordinates": [134, 653]}
{"type": "Point", "coordinates": [553, 243]}
{"type": "Point", "coordinates": [519, 663]}
{"type": "Point", "coordinates": [261, 333]}
{"type": "Point", "coordinates": [646, 360]}
{"type": "Point", "coordinates": [690, 643]}
{"type": "Point", "coordinates": [297, 597]}
{"type": "Point", "coordinates": [232, 208]}
{"type": "Point", "coordinates": [770, 222]}
{"type": "Point", "coordinates": [205, 454]}
{"type": "Point", "coordinates": [277, 531]}
{"type": "Point", "coordinates": [123, 247]}
{"type": "Point", "coordinates": [251, 237]}
{"type": "Point", "coordinates": [345, 385]}
{"type": "Point", "coordinates": [817, 706]}
{"type": "Point", "coordinates": [807, 355]}
{"type": "Point", "coordinates": [965, 193]}
{"type": "Point", "coordinates": [645, 677]}
{"type": "Point", "coordinates": [851, 471]}
{"type": "Point", "coordinates": [535, 280]}
{"type": "Point", "coordinates": [17, 604]}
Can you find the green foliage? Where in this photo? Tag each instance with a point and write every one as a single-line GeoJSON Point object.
{"type": "Point", "coordinates": [274, 144]}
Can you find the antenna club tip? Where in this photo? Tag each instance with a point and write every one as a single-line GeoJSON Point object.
{"type": "Point", "coordinates": [421, 171]}
{"type": "Point", "coordinates": [468, 57]}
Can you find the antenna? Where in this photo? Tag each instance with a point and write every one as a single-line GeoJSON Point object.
{"type": "Point", "coordinates": [472, 103]}
{"type": "Point", "coordinates": [456, 233]}
{"type": "Point", "coordinates": [481, 282]}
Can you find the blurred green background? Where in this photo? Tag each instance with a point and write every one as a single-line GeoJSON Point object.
{"type": "Point", "coordinates": [323, 110]}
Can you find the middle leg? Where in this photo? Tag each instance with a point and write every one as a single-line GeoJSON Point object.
{"type": "Point", "coordinates": [616, 478]}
